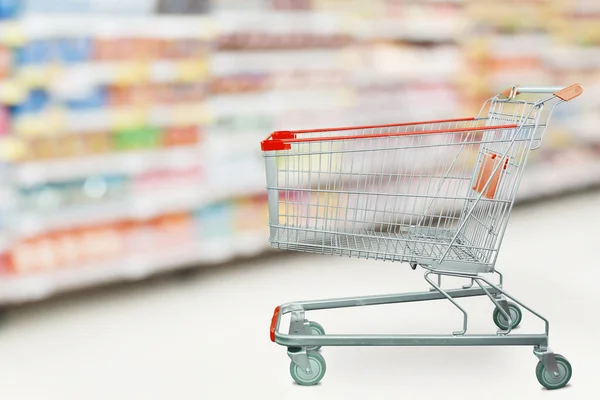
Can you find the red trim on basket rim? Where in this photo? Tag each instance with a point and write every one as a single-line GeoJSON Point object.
{"type": "Point", "coordinates": [274, 141]}
{"type": "Point", "coordinates": [274, 323]}
{"type": "Point", "coordinates": [278, 140]}
{"type": "Point", "coordinates": [271, 145]}
{"type": "Point", "coordinates": [349, 128]}
{"type": "Point", "coordinates": [286, 143]}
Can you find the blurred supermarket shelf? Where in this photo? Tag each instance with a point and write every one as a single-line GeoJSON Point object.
{"type": "Point", "coordinates": [573, 58]}
{"type": "Point", "coordinates": [280, 22]}
{"type": "Point", "coordinates": [68, 80]}
{"type": "Point", "coordinates": [128, 163]}
{"type": "Point", "coordinates": [51, 25]}
{"type": "Point", "coordinates": [428, 29]}
{"type": "Point", "coordinates": [112, 118]}
{"type": "Point", "coordinates": [541, 181]}
{"type": "Point", "coordinates": [25, 288]}
{"type": "Point", "coordinates": [135, 207]}
{"type": "Point", "coordinates": [276, 102]}
{"type": "Point", "coordinates": [246, 61]}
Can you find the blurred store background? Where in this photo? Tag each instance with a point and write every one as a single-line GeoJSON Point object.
{"type": "Point", "coordinates": [130, 130]}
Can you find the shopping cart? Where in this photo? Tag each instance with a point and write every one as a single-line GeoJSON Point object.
{"type": "Point", "coordinates": [435, 194]}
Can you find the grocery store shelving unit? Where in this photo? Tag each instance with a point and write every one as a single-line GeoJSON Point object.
{"type": "Point", "coordinates": [192, 169]}
{"type": "Point", "coordinates": [80, 217]}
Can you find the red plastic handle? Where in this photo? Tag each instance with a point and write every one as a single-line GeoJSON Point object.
{"type": "Point", "coordinates": [274, 323]}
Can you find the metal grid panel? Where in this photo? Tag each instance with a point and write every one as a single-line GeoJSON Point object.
{"type": "Point", "coordinates": [393, 246]}
{"type": "Point", "coordinates": [409, 196]}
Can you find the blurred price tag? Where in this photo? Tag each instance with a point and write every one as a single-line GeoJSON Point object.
{"type": "Point", "coordinates": [192, 70]}
{"type": "Point", "coordinates": [12, 34]}
{"type": "Point", "coordinates": [12, 92]}
{"type": "Point", "coordinates": [128, 118]}
{"type": "Point", "coordinates": [132, 73]}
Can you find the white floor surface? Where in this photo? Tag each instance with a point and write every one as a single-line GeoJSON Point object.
{"type": "Point", "coordinates": [206, 337]}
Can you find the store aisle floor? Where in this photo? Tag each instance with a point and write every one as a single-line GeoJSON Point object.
{"type": "Point", "coordinates": [206, 336]}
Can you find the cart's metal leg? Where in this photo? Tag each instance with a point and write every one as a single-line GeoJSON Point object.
{"type": "Point", "coordinates": [501, 277]}
{"type": "Point", "coordinates": [446, 295]}
{"type": "Point", "coordinates": [432, 289]}
{"type": "Point", "coordinates": [546, 356]}
{"type": "Point", "coordinates": [300, 358]}
{"type": "Point", "coordinates": [499, 296]}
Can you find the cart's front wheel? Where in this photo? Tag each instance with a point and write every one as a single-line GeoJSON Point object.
{"type": "Point", "coordinates": [317, 366]}
{"type": "Point", "coordinates": [316, 329]}
{"type": "Point", "coordinates": [515, 315]}
{"type": "Point", "coordinates": [548, 379]}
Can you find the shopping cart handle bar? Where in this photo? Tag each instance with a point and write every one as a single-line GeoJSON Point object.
{"type": "Point", "coordinates": [564, 93]}
{"type": "Point", "coordinates": [540, 89]}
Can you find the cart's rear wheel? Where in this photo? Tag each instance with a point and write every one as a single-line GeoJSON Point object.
{"type": "Point", "coordinates": [515, 315]}
{"type": "Point", "coordinates": [316, 329]}
{"type": "Point", "coordinates": [548, 380]}
{"type": "Point", "coordinates": [317, 366]}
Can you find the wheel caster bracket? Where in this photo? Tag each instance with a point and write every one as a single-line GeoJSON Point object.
{"type": "Point", "coordinates": [549, 360]}
{"type": "Point", "coordinates": [504, 304]}
{"type": "Point", "coordinates": [298, 324]}
{"type": "Point", "coordinates": [300, 358]}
